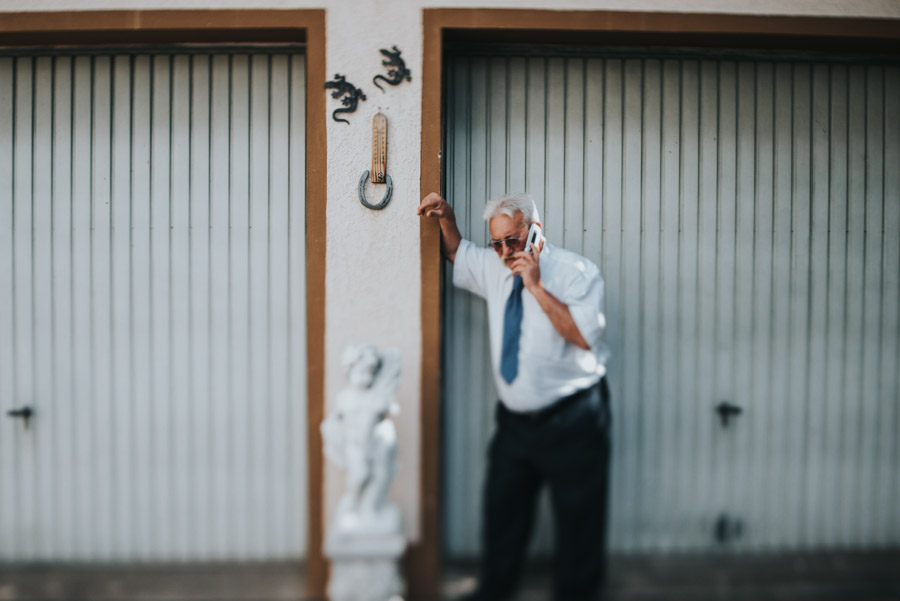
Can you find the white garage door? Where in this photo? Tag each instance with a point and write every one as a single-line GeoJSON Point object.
{"type": "Point", "coordinates": [152, 308]}
{"type": "Point", "coordinates": [745, 213]}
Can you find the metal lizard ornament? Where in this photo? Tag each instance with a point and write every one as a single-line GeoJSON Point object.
{"type": "Point", "coordinates": [398, 73]}
{"type": "Point", "coordinates": [353, 95]}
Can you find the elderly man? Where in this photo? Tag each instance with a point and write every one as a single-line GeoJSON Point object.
{"type": "Point", "coordinates": [545, 313]}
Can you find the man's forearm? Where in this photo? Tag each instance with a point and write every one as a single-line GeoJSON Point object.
{"type": "Point", "coordinates": [450, 237]}
{"type": "Point", "coordinates": [434, 206]}
{"type": "Point", "coordinates": [559, 315]}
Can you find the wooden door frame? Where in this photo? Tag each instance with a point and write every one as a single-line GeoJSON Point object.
{"type": "Point", "coordinates": [570, 28]}
{"type": "Point", "coordinates": [157, 27]}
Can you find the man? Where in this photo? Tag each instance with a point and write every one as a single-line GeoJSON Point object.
{"type": "Point", "coordinates": [545, 314]}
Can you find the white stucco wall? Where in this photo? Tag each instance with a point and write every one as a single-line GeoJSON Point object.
{"type": "Point", "coordinates": [389, 9]}
{"type": "Point", "coordinates": [372, 258]}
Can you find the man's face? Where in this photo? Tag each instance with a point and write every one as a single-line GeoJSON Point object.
{"type": "Point", "coordinates": [508, 229]}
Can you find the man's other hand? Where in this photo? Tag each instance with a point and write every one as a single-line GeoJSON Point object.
{"type": "Point", "coordinates": [527, 265]}
{"type": "Point", "coordinates": [434, 205]}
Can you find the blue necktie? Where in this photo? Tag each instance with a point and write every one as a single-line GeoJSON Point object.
{"type": "Point", "coordinates": [512, 328]}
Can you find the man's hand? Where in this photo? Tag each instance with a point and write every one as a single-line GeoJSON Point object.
{"type": "Point", "coordinates": [527, 265]}
{"type": "Point", "coordinates": [433, 206]}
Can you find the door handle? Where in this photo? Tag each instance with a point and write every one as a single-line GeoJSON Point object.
{"type": "Point", "coordinates": [24, 413]}
{"type": "Point", "coordinates": [727, 411]}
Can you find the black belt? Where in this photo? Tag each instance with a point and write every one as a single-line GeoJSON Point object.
{"type": "Point", "coordinates": [540, 415]}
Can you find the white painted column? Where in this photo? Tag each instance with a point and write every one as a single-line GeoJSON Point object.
{"type": "Point", "coordinates": [372, 257]}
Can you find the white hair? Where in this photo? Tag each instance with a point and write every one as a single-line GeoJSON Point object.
{"type": "Point", "coordinates": [511, 204]}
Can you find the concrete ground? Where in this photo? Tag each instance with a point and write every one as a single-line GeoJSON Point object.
{"type": "Point", "coordinates": [820, 577]}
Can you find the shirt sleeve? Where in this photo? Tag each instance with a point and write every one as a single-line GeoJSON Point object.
{"type": "Point", "coordinates": [470, 267]}
{"type": "Point", "coordinates": [584, 297]}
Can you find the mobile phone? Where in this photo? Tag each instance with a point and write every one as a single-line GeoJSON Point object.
{"type": "Point", "coordinates": [534, 236]}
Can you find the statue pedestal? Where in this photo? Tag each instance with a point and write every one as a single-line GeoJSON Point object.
{"type": "Point", "coordinates": [365, 556]}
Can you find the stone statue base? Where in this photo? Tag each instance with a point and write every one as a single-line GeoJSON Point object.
{"type": "Point", "coordinates": [365, 556]}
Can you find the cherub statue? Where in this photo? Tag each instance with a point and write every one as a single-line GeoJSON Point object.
{"type": "Point", "coordinates": [360, 437]}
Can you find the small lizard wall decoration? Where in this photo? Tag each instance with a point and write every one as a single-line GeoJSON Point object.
{"type": "Point", "coordinates": [341, 86]}
{"type": "Point", "coordinates": [398, 73]}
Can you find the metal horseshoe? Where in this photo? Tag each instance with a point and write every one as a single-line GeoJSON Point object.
{"type": "Point", "coordinates": [362, 192]}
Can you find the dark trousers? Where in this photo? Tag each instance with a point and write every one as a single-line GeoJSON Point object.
{"type": "Point", "coordinates": [567, 447]}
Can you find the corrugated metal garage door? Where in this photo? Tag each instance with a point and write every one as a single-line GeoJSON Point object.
{"type": "Point", "coordinates": [152, 306]}
{"type": "Point", "coordinates": [745, 213]}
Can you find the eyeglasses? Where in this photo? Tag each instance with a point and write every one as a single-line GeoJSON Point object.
{"type": "Point", "coordinates": [517, 244]}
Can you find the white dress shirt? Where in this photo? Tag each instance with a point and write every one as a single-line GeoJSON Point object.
{"type": "Point", "coordinates": [550, 367]}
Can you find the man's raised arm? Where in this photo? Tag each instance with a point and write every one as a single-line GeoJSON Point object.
{"type": "Point", "coordinates": [435, 206]}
